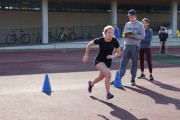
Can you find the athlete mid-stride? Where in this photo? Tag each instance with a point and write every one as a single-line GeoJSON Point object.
{"type": "Point", "coordinates": [103, 60]}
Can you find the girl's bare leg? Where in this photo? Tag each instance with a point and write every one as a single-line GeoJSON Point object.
{"type": "Point", "coordinates": [104, 71]}
{"type": "Point", "coordinates": [100, 77]}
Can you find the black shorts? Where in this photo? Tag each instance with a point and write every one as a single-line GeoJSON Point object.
{"type": "Point", "coordinates": [162, 40]}
{"type": "Point", "coordinates": [107, 62]}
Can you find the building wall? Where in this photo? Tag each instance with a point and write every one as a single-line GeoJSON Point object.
{"type": "Point", "coordinates": [19, 19]}
{"type": "Point", "coordinates": [78, 19]}
{"type": "Point", "coordinates": [30, 22]}
{"type": "Point", "coordinates": [32, 19]}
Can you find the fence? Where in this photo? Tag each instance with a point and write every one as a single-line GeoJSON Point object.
{"type": "Point", "coordinates": [81, 33]}
{"type": "Point", "coordinates": [56, 33]}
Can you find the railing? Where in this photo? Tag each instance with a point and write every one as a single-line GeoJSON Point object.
{"type": "Point", "coordinates": [56, 33]}
{"type": "Point", "coordinates": [89, 32]}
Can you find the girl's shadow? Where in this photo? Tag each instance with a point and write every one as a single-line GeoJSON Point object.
{"type": "Point", "coordinates": [117, 111]}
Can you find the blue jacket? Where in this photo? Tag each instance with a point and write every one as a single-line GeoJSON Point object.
{"type": "Point", "coordinates": [116, 33]}
{"type": "Point", "coordinates": [146, 43]}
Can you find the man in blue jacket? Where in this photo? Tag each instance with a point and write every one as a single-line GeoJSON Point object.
{"type": "Point", "coordinates": [116, 32]}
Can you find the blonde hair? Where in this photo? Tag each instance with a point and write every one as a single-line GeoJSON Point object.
{"type": "Point", "coordinates": [106, 29]}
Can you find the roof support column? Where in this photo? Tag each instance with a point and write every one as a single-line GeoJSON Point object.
{"type": "Point", "coordinates": [44, 16]}
{"type": "Point", "coordinates": [113, 12]}
{"type": "Point", "coordinates": [174, 6]}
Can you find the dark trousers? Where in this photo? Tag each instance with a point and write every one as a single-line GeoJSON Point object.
{"type": "Point", "coordinates": [129, 52]}
{"type": "Point", "coordinates": [145, 52]}
{"type": "Point", "coordinates": [163, 49]}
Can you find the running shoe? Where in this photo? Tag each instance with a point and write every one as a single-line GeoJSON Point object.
{"type": "Point", "coordinates": [142, 76]}
{"type": "Point", "coordinates": [133, 83]}
{"type": "Point", "coordinates": [109, 96]}
{"type": "Point", "coordinates": [151, 78]}
{"type": "Point", "coordinates": [89, 86]}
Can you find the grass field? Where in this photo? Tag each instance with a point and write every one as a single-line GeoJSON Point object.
{"type": "Point", "coordinates": [170, 59]}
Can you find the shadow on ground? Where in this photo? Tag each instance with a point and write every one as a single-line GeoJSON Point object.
{"type": "Point", "coordinates": [157, 97]}
{"type": "Point", "coordinates": [117, 111]}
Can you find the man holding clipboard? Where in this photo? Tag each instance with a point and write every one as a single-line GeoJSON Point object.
{"type": "Point", "coordinates": [133, 33]}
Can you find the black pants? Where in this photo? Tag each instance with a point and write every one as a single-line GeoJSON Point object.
{"type": "Point", "coordinates": [145, 52]}
{"type": "Point", "coordinates": [163, 47]}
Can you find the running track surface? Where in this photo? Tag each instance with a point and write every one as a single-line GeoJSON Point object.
{"type": "Point", "coordinates": [36, 62]}
{"type": "Point", "coordinates": [22, 77]}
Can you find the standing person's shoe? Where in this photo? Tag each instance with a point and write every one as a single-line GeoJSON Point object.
{"type": "Point", "coordinates": [142, 76]}
{"type": "Point", "coordinates": [151, 78]}
{"type": "Point", "coordinates": [109, 96]}
{"type": "Point", "coordinates": [133, 83]}
{"type": "Point", "coordinates": [89, 86]}
{"type": "Point", "coordinates": [112, 83]}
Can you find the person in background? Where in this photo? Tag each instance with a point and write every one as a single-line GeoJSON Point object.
{"type": "Point", "coordinates": [103, 60]}
{"type": "Point", "coordinates": [163, 35]}
{"type": "Point", "coordinates": [133, 33]}
{"type": "Point", "coordinates": [145, 49]}
{"type": "Point", "coordinates": [117, 33]}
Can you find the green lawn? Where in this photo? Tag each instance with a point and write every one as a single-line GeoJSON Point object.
{"type": "Point", "coordinates": [170, 59]}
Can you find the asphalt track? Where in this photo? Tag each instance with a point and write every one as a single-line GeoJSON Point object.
{"type": "Point", "coordinates": [23, 74]}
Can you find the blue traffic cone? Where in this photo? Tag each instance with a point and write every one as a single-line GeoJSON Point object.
{"type": "Point", "coordinates": [117, 81]}
{"type": "Point", "coordinates": [47, 86]}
